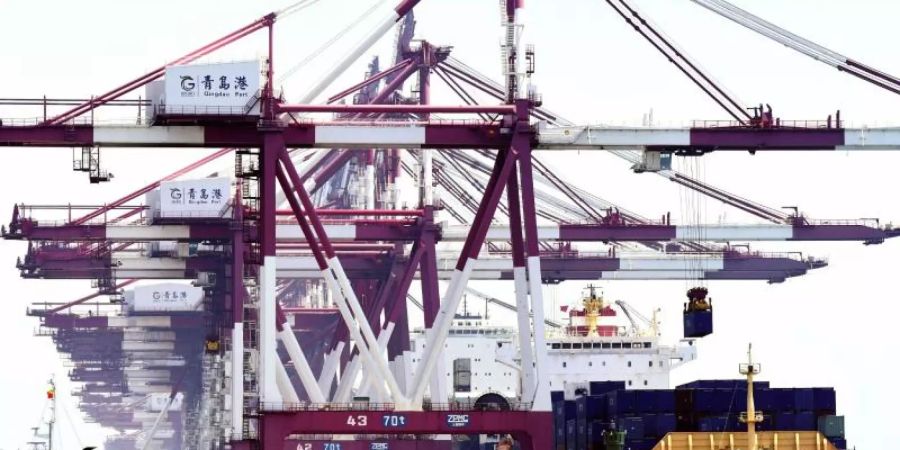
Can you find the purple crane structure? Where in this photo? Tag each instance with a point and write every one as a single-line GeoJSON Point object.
{"type": "Point", "coordinates": [316, 252]}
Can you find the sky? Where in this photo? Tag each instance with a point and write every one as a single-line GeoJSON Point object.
{"type": "Point", "coordinates": [832, 327]}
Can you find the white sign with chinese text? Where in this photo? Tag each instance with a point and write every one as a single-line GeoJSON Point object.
{"type": "Point", "coordinates": [167, 297]}
{"type": "Point", "coordinates": [225, 88]}
{"type": "Point", "coordinates": [204, 198]}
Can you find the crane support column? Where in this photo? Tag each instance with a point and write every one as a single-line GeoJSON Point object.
{"type": "Point", "coordinates": [521, 143]}
{"type": "Point", "coordinates": [520, 278]}
{"type": "Point", "coordinates": [237, 312]}
{"type": "Point", "coordinates": [273, 144]}
{"type": "Point", "coordinates": [436, 335]}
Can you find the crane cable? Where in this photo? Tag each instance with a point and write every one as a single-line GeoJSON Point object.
{"type": "Point", "coordinates": [315, 54]}
{"type": "Point", "coordinates": [294, 7]}
{"type": "Point", "coordinates": [71, 424]}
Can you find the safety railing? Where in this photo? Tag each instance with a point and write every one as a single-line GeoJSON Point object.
{"type": "Point", "coordinates": [778, 123]}
{"type": "Point", "coordinates": [301, 407]}
{"type": "Point", "coordinates": [74, 212]}
{"type": "Point", "coordinates": [201, 110]}
{"type": "Point", "coordinates": [866, 222]}
{"type": "Point", "coordinates": [35, 121]}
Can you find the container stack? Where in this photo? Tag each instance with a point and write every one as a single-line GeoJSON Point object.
{"type": "Point", "coordinates": [646, 416]}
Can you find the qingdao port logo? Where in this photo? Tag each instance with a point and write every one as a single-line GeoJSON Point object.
{"type": "Point", "coordinates": [187, 86]}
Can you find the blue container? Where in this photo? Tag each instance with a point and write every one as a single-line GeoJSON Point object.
{"type": "Point", "coordinates": [764, 400]}
{"type": "Point", "coordinates": [557, 396]}
{"type": "Point", "coordinates": [698, 324]}
{"type": "Point", "coordinates": [723, 398]}
{"type": "Point", "coordinates": [649, 424]}
{"type": "Point", "coordinates": [785, 421]}
{"type": "Point", "coordinates": [684, 401]}
{"type": "Point", "coordinates": [804, 399]}
{"type": "Point", "coordinates": [824, 399]}
{"type": "Point", "coordinates": [632, 426]}
{"type": "Point", "coordinates": [840, 443]}
{"type": "Point", "coordinates": [602, 387]}
{"type": "Point", "coordinates": [620, 403]}
{"type": "Point", "coordinates": [704, 401]}
{"type": "Point", "coordinates": [581, 438]}
{"type": "Point", "coordinates": [567, 411]}
{"type": "Point", "coordinates": [665, 401]}
{"type": "Point", "coordinates": [712, 424]}
{"type": "Point", "coordinates": [665, 424]}
{"type": "Point", "coordinates": [782, 400]}
{"type": "Point", "coordinates": [571, 435]}
{"type": "Point", "coordinates": [658, 425]}
{"type": "Point", "coordinates": [739, 400]}
{"type": "Point", "coordinates": [645, 401]}
{"type": "Point", "coordinates": [805, 421]}
{"type": "Point", "coordinates": [590, 407]}
{"type": "Point", "coordinates": [595, 432]}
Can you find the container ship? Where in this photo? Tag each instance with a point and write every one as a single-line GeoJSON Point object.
{"type": "Point", "coordinates": [714, 414]}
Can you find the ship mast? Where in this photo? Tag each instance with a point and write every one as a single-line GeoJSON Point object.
{"type": "Point", "coordinates": [51, 395]}
{"type": "Point", "coordinates": [751, 417]}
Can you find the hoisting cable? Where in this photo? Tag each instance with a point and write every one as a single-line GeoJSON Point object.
{"type": "Point", "coordinates": [802, 45]}
{"type": "Point", "coordinates": [679, 59]}
{"type": "Point", "coordinates": [294, 7]}
{"type": "Point", "coordinates": [325, 46]}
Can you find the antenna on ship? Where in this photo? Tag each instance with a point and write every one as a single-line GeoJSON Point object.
{"type": "Point", "coordinates": [752, 416]}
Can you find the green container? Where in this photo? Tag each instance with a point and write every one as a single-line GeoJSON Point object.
{"type": "Point", "coordinates": [832, 426]}
{"type": "Point", "coordinates": [614, 440]}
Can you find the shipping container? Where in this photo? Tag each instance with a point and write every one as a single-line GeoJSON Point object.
{"type": "Point", "coordinates": [686, 421]}
{"type": "Point", "coordinates": [556, 396]}
{"type": "Point", "coordinates": [840, 443]}
{"type": "Point", "coordinates": [664, 424]}
{"type": "Point", "coordinates": [620, 403]}
{"type": "Point", "coordinates": [645, 401]}
{"type": "Point", "coordinates": [571, 435]}
{"type": "Point", "coordinates": [704, 401]}
{"type": "Point", "coordinates": [591, 407]}
{"type": "Point", "coordinates": [602, 387]}
{"type": "Point", "coordinates": [824, 399]}
{"type": "Point", "coordinates": [698, 324]}
{"type": "Point", "coordinates": [785, 421]}
{"type": "Point", "coordinates": [804, 399]}
{"type": "Point", "coordinates": [665, 401]}
{"type": "Point", "coordinates": [805, 420]}
{"type": "Point", "coordinates": [712, 424]}
{"type": "Point", "coordinates": [581, 434]}
{"type": "Point", "coordinates": [831, 426]}
{"type": "Point", "coordinates": [632, 426]}
{"type": "Point", "coordinates": [684, 400]}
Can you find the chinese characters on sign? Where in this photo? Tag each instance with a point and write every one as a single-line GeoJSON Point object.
{"type": "Point", "coordinates": [213, 86]}
{"type": "Point", "coordinates": [169, 295]}
{"type": "Point", "coordinates": [206, 197]}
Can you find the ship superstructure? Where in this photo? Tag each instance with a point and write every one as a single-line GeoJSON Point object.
{"type": "Point", "coordinates": [590, 345]}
